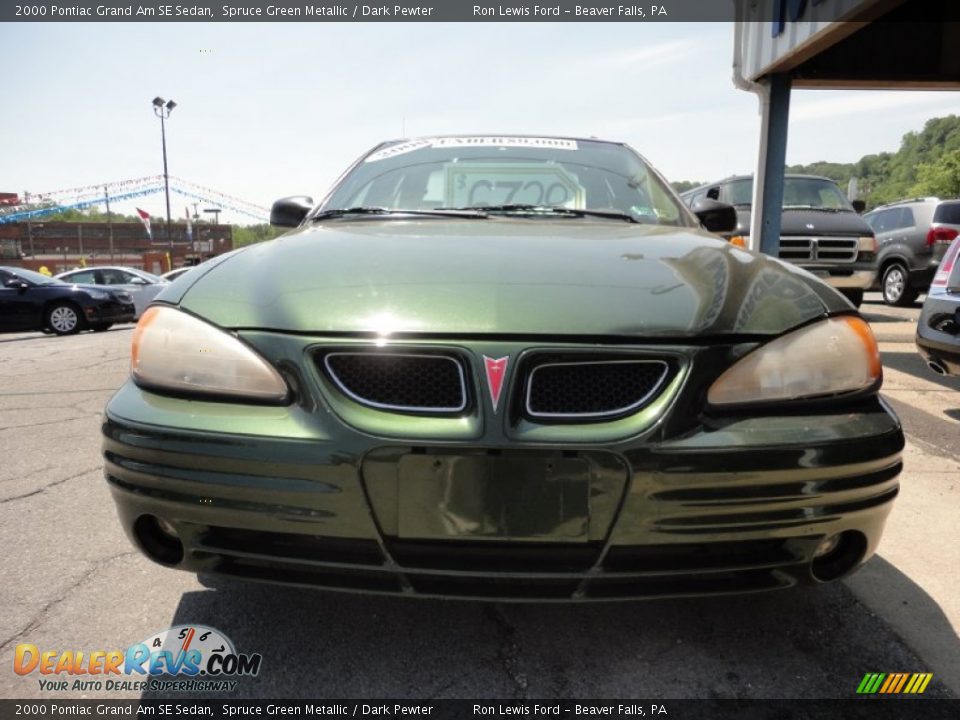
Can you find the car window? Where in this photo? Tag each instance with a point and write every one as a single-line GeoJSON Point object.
{"type": "Point", "coordinates": [739, 192]}
{"type": "Point", "coordinates": [115, 277]}
{"type": "Point", "coordinates": [882, 221]}
{"type": "Point", "coordinates": [481, 172]}
{"type": "Point", "coordinates": [814, 193]}
{"type": "Point", "coordinates": [83, 276]}
{"type": "Point", "coordinates": [948, 212]}
{"type": "Point", "coordinates": [906, 218]}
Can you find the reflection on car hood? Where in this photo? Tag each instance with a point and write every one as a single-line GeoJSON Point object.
{"type": "Point", "coordinates": [505, 276]}
{"type": "Point", "coordinates": [121, 295]}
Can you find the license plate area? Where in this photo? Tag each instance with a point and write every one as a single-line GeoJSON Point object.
{"type": "Point", "coordinates": [512, 496]}
{"type": "Point", "coordinates": [493, 495]}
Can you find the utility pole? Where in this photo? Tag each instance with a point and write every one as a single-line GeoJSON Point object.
{"type": "Point", "coordinates": [162, 109]}
{"type": "Point", "coordinates": [26, 201]}
{"type": "Point", "coordinates": [106, 194]}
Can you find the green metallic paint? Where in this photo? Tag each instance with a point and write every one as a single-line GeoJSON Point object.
{"type": "Point", "coordinates": [504, 276]}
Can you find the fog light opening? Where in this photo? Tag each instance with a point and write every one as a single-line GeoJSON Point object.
{"type": "Point", "coordinates": [838, 555]}
{"type": "Point", "coordinates": [158, 539]}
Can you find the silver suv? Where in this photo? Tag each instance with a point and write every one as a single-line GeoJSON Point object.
{"type": "Point", "coordinates": [913, 236]}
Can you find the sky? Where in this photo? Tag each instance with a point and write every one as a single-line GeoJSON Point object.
{"type": "Point", "coordinates": [275, 109]}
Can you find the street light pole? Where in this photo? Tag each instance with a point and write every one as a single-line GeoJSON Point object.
{"type": "Point", "coordinates": [162, 109]}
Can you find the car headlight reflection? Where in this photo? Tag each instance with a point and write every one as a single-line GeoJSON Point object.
{"type": "Point", "coordinates": [831, 357]}
{"type": "Point", "coordinates": [178, 352]}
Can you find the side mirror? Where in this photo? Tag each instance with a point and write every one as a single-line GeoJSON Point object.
{"type": "Point", "coordinates": [15, 284]}
{"type": "Point", "coordinates": [859, 206]}
{"type": "Point", "coordinates": [290, 211]}
{"type": "Point", "coordinates": [715, 216]}
{"type": "Point", "coordinates": [138, 281]}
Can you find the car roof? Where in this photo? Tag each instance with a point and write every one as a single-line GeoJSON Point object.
{"type": "Point", "coordinates": [909, 201]}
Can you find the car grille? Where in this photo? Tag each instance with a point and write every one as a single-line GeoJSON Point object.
{"type": "Point", "coordinates": [594, 388]}
{"type": "Point", "coordinates": [402, 382]}
{"type": "Point", "coordinates": [819, 249]}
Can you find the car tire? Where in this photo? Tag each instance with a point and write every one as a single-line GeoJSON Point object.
{"type": "Point", "coordinates": [100, 327]}
{"type": "Point", "coordinates": [895, 286]}
{"type": "Point", "coordinates": [63, 318]}
{"type": "Point", "coordinates": [854, 296]}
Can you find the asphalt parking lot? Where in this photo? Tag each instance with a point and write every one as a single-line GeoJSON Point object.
{"type": "Point", "coordinates": [71, 580]}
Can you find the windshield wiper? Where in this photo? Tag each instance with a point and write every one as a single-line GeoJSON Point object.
{"type": "Point", "coordinates": [818, 208]}
{"type": "Point", "coordinates": [359, 210]}
{"type": "Point", "coordinates": [547, 209]}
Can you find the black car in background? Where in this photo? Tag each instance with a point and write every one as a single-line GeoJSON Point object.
{"type": "Point", "coordinates": [31, 301]}
{"type": "Point", "coordinates": [938, 329]}
{"type": "Point", "coordinates": [819, 230]}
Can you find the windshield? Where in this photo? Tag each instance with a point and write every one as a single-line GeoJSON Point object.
{"type": "Point", "coordinates": [37, 278]}
{"type": "Point", "coordinates": [510, 175]}
{"type": "Point", "coordinates": [797, 192]}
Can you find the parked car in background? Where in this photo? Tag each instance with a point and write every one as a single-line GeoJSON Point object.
{"type": "Point", "coordinates": [32, 301]}
{"type": "Point", "coordinates": [819, 230]}
{"type": "Point", "coordinates": [508, 368]}
{"type": "Point", "coordinates": [141, 285]}
{"type": "Point", "coordinates": [938, 329]}
{"type": "Point", "coordinates": [912, 237]}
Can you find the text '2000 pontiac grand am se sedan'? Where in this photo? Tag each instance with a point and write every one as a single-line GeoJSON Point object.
{"type": "Point", "coordinates": [504, 368]}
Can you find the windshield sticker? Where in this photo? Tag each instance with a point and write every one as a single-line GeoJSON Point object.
{"type": "Point", "coordinates": [481, 141]}
{"type": "Point", "coordinates": [473, 184]}
{"type": "Point", "coordinates": [398, 149]}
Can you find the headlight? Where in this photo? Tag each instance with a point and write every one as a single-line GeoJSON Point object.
{"type": "Point", "coordinates": [97, 294]}
{"type": "Point", "coordinates": [176, 351]}
{"type": "Point", "coordinates": [831, 357]}
{"type": "Point", "coordinates": [867, 243]}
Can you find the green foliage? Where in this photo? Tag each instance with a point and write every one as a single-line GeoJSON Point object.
{"type": "Point", "coordinates": [249, 234]}
{"type": "Point", "coordinates": [940, 178]}
{"type": "Point", "coordinates": [683, 185]}
{"type": "Point", "coordinates": [922, 166]}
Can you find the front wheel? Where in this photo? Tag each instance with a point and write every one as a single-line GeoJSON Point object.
{"type": "Point", "coordinates": [63, 319]}
{"type": "Point", "coordinates": [854, 296]}
{"type": "Point", "coordinates": [896, 286]}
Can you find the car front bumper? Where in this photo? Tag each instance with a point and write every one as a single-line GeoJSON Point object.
{"type": "Point", "coordinates": [112, 312]}
{"type": "Point", "coordinates": [261, 493]}
{"type": "Point", "coordinates": [844, 278]}
{"type": "Point", "coordinates": [940, 346]}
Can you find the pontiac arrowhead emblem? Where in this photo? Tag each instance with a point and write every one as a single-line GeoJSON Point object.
{"type": "Point", "coordinates": [496, 369]}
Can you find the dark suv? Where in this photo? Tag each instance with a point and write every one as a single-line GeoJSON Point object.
{"type": "Point", "coordinates": [912, 236]}
{"type": "Point", "coordinates": [820, 231]}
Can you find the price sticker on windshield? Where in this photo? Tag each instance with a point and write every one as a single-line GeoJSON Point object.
{"type": "Point", "coordinates": [478, 184]}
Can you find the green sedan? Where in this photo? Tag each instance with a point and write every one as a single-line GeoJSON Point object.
{"type": "Point", "coordinates": [506, 368]}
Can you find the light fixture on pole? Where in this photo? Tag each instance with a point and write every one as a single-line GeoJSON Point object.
{"type": "Point", "coordinates": [162, 109]}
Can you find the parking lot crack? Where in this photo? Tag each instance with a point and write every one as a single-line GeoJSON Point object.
{"type": "Point", "coordinates": [96, 566]}
{"type": "Point", "coordinates": [508, 652]}
{"type": "Point", "coordinates": [49, 485]}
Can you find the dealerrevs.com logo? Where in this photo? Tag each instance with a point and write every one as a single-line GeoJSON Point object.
{"type": "Point", "coordinates": [187, 658]}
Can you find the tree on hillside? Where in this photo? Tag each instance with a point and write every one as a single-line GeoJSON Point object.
{"type": "Point", "coordinates": [940, 178]}
{"type": "Point", "coordinates": [885, 177]}
{"type": "Point", "coordinates": [249, 234]}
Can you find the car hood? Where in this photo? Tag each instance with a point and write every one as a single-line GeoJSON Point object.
{"type": "Point", "coordinates": [504, 276]}
{"type": "Point", "coordinates": [806, 222]}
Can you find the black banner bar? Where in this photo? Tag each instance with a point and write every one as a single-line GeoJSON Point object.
{"type": "Point", "coordinates": [890, 708]}
{"type": "Point", "coordinates": [456, 11]}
